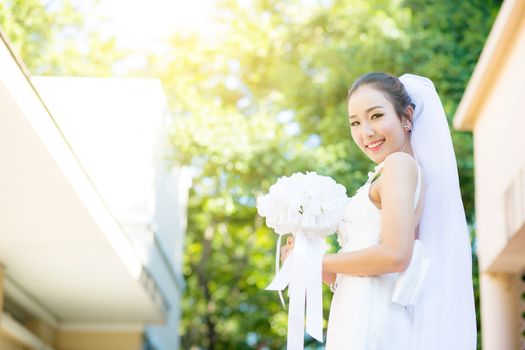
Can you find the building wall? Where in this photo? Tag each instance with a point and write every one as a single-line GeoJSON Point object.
{"type": "Point", "coordinates": [499, 144]}
{"type": "Point", "coordinates": [521, 309]}
{"type": "Point", "coordinates": [5, 342]}
{"type": "Point", "coordinates": [84, 341]}
{"type": "Point", "coordinates": [8, 344]}
{"type": "Point", "coordinates": [99, 340]}
{"type": "Point", "coordinates": [137, 209]}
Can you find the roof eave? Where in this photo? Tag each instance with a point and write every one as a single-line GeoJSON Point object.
{"type": "Point", "coordinates": [494, 52]}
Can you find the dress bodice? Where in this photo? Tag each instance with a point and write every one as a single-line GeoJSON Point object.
{"type": "Point", "coordinates": [361, 223]}
{"type": "Point", "coordinates": [371, 312]}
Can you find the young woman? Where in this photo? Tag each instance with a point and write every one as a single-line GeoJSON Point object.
{"type": "Point", "coordinates": [402, 278]}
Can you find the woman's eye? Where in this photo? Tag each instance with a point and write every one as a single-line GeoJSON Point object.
{"type": "Point", "coordinates": [373, 115]}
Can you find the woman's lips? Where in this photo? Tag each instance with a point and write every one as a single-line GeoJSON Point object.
{"type": "Point", "coordinates": [377, 147]}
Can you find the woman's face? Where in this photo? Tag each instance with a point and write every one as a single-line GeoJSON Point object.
{"type": "Point", "coordinates": [374, 122]}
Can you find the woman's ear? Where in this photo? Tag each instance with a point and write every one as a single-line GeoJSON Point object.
{"type": "Point", "coordinates": [407, 118]}
{"type": "Point", "coordinates": [409, 113]}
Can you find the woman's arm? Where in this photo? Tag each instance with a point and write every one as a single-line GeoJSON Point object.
{"type": "Point", "coordinates": [393, 253]}
{"type": "Point", "coordinates": [369, 261]}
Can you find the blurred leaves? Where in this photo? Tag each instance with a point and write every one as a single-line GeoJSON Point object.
{"type": "Point", "coordinates": [51, 39]}
{"type": "Point", "coordinates": [267, 97]}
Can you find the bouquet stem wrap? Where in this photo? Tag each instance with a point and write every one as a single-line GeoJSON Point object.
{"type": "Point", "coordinates": [302, 272]}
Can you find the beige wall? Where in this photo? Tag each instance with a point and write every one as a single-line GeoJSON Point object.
{"type": "Point", "coordinates": [499, 144]}
{"type": "Point", "coordinates": [42, 330]}
{"type": "Point", "coordinates": [77, 340]}
{"type": "Point", "coordinates": [2, 269]}
{"type": "Point", "coordinates": [5, 342]}
{"type": "Point", "coordinates": [8, 344]}
{"type": "Point", "coordinates": [71, 340]}
{"type": "Point", "coordinates": [99, 341]}
{"type": "Point", "coordinates": [500, 311]}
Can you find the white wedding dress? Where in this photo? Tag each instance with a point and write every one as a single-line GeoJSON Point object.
{"type": "Point", "coordinates": [362, 314]}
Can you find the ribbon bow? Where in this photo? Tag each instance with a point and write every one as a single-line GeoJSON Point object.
{"type": "Point", "coordinates": [302, 271]}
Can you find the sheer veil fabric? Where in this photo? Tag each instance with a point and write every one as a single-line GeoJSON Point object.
{"type": "Point", "coordinates": [444, 318]}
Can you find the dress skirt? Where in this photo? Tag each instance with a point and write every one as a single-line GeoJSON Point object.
{"type": "Point", "coordinates": [363, 317]}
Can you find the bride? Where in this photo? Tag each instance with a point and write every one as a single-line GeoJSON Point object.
{"type": "Point", "coordinates": [402, 278]}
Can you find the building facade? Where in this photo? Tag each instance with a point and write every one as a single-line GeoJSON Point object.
{"type": "Point", "coordinates": [92, 217]}
{"type": "Point", "coordinates": [493, 109]}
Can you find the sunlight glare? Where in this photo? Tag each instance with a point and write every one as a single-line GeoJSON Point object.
{"type": "Point", "coordinates": [141, 25]}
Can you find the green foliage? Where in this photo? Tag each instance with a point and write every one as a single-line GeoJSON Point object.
{"type": "Point", "coordinates": [449, 38]}
{"type": "Point", "coordinates": [51, 40]}
{"type": "Point", "coordinates": [280, 66]}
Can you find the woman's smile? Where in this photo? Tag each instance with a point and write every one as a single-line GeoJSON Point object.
{"type": "Point", "coordinates": [376, 145]}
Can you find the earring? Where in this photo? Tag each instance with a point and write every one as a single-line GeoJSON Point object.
{"type": "Point", "coordinates": [407, 126]}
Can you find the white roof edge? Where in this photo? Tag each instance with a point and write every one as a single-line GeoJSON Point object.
{"type": "Point", "coordinates": [18, 81]}
{"type": "Point", "coordinates": [58, 147]}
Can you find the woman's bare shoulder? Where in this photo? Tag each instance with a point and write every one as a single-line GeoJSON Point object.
{"type": "Point", "coordinates": [399, 169]}
{"type": "Point", "coordinates": [400, 160]}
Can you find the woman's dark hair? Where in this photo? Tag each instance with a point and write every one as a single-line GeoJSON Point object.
{"type": "Point", "coordinates": [390, 85]}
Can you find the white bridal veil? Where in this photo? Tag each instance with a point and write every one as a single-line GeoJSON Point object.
{"type": "Point", "coordinates": [444, 316]}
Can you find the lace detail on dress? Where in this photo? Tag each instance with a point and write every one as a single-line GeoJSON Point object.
{"type": "Point", "coordinates": [355, 212]}
{"type": "Point", "coordinates": [377, 169]}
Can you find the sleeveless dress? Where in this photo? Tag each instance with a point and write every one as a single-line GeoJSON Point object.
{"type": "Point", "coordinates": [362, 313]}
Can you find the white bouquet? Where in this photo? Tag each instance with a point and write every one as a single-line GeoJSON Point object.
{"type": "Point", "coordinates": [310, 207]}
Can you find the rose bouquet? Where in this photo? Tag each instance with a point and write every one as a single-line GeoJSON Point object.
{"type": "Point", "coordinates": [309, 206]}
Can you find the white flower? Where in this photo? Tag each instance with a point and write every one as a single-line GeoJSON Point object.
{"type": "Point", "coordinates": [309, 202]}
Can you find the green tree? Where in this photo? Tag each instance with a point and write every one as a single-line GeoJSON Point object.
{"type": "Point", "coordinates": [289, 66]}
{"type": "Point", "coordinates": [51, 40]}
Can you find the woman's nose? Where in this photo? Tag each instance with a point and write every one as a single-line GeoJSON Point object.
{"type": "Point", "coordinates": [367, 130]}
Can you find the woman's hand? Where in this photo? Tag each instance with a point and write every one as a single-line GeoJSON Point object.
{"type": "Point", "coordinates": [287, 249]}
{"type": "Point", "coordinates": [329, 277]}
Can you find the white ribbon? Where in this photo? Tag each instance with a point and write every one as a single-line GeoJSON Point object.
{"type": "Point", "coordinates": [302, 271]}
